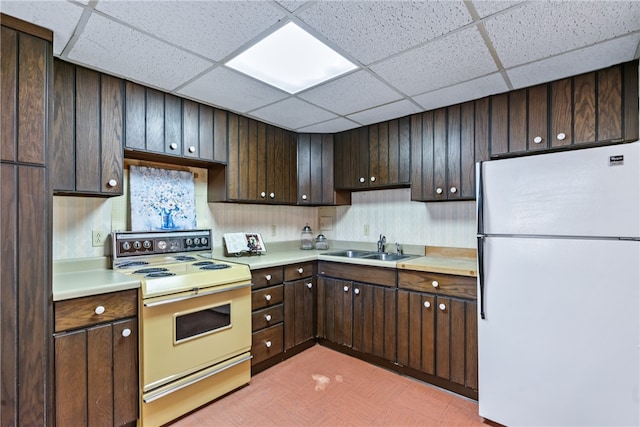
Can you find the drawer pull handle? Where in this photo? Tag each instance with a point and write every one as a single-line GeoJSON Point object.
{"type": "Point", "coordinates": [427, 304]}
{"type": "Point", "coordinates": [268, 344]}
{"type": "Point", "coordinates": [99, 309]}
{"type": "Point", "coordinates": [126, 332]}
{"type": "Point", "coordinates": [309, 285]}
{"type": "Point", "coordinates": [435, 283]}
{"type": "Point", "coordinates": [267, 297]}
{"type": "Point", "coordinates": [267, 317]}
{"type": "Point", "coordinates": [301, 270]}
{"type": "Point", "coordinates": [268, 277]}
{"type": "Point", "coordinates": [442, 307]}
{"type": "Point", "coordinates": [346, 289]}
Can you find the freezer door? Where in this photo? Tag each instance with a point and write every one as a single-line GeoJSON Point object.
{"type": "Point", "coordinates": [559, 344]}
{"type": "Point", "coordinates": [590, 192]}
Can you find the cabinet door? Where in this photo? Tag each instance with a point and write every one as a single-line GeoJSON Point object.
{"type": "Point", "coordinates": [190, 129]}
{"type": "Point", "coordinates": [172, 125]}
{"type": "Point", "coordinates": [63, 168]}
{"type": "Point", "coordinates": [389, 153]}
{"type": "Point", "coordinates": [374, 320]}
{"type": "Point", "coordinates": [416, 330]}
{"type": "Point", "coordinates": [335, 310]}
{"type": "Point", "coordinates": [299, 312]}
{"type": "Point", "coordinates": [87, 124]}
{"type": "Point", "coordinates": [308, 147]}
{"type": "Point", "coordinates": [154, 108]}
{"type": "Point", "coordinates": [280, 166]}
{"type": "Point", "coordinates": [70, 353]}
{"type": "Point", "coordinates": [351, 167]}
{"type": "Point", "coordinates": [125, 371]}
{"type": "Point", "coordinates": [111, 138]}
{"type": "Point", "coordinates": [135, 113]}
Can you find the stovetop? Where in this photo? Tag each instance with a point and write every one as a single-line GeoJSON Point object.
{"type": "Point", "coordinates": [172, 262]}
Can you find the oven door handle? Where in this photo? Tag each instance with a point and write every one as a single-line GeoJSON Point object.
{"type": "Point", "coordinates": [215, 291]}
{"type": "Point", "coordinates": [155, 396]}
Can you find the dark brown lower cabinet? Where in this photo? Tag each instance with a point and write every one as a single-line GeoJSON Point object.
{"type": "Point", "coordinates": [96, 362]}
{"type": "Point", "coordinates": [299, 312]}
{"type": "Point", "coordinates": [335, 310]}
{"type": "Point", "coordinates": [374, 320]}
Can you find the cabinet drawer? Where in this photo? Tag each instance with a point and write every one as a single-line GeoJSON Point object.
{"type": "Point", "coordinates": [267, 297]}
{"type": "Point", "coordinates": [80, 312]}
{"type": "Point", "coordinates": [267, 317]}
{"type": "Point", "coordinates": [298, 271]}
{"type": "Point", "coordinates": [267, 277]}
{"type": "Point", "coordinates": [443, 284]}
{"type": "Point", "coordinates": [358, 273]}
{"type": "Point", "coordinates": [267, 343]}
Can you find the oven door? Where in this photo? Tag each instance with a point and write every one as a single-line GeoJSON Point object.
{"type": "Point", "coordinates": [184, 333]}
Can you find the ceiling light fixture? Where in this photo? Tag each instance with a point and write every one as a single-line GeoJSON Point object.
{"type": "Point", "coordinates": [291, 59]}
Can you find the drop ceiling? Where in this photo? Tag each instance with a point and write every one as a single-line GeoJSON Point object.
{"type": "Point", "coordinates": [412, 56]}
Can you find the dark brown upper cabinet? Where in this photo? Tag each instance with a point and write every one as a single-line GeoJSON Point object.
{"type": "Point", "coordinates": [315, 172]}
{"type": "Point", "coordinates": [375, 156]}
{"type": "Point", "coordinates": [445, 144]}
{"type": "Point", "coordinates": [87, 153]}
{"type": "Point", "coordinates": [261, 167]}
{"type": "Point", "coordinates": [160, 124]}
{"type": "Point", "coordinates": [600, 107]}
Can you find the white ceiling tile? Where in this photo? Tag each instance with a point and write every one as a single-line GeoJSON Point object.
{"type": "Point", "coordinates": [293, 113]}
{"type": "Point", "coordinates": [541, 29]}
{"type": "Point", "coordinates": [486, 8]}
{"type": "Point", "coordinates": [372, 30]}
{"type": "Point", "coordinates": [57, 16]}
{"type": "Point", "coordinates": [385, 112]}
{"type": "Point", "coordinates": [427, 68]}
{"type": "Point", "coordinates": [291, 5]}
{"type": "Point", "coordinates": [330, 126]}
{"type": "Point", "coordinates": [473, 89]}
{"type": "Point", "coordinates": [577, 62]}
{"type": "Point", "coordinates": [210, 28]}
{"type": "Point", "coordinates": [235, 91]}
{"type": "Point", "coordinates": [114, 48]}
{"type": "Point", "coordinates": [354, 92]}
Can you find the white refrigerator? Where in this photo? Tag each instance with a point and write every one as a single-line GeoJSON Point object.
{"type": "Point", "coordinates": [559, 288]}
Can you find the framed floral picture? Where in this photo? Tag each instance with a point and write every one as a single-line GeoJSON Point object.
{"type": "Point", "coordinates": [161, 199]}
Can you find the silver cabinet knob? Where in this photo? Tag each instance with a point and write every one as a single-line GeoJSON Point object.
{"type": "Point", "coordinates": [268, 277]}
{"type": "Point", "coordinates": [267, 317]}
{"type": "Point", "coordinates": [173, 145]}
{"type": "Point", "coordinates": [309, 285]}
{"type": "Point", "coordinates": [300, 270]}
{"type": "Point", "coordinates": [442, 307]}
{"type": "Point", "coordinates": [268, 344]}
{"type": "Point", "coordinates": [126, 332]}
{"type": "Point", "coordinates": [373, 179]}
{"type": "Point", "coordinates": [537, 139]}
{"type": "Point", "coordinates": [192, 149]}
{"type": "Point", "coordinates": [304, 197]}
{"type": "Point", "coordinates": [346, 289]}
{"type": "Point", "coordinates": [427, 304]}
{"type": "Point", "coordinates": [112, 183]}
{"type": "Point", "coordinates": [356, 291]}
{"type": "Point", "coordinates": [439, 190]}
{"type": "Point", "coordinates": [435, 284]}
{"type": "Point", "coordinates": [362, 179]}
{"type": "Point", "coordinates": [267, 297]}
{"type": "Point", "coordinates": [561, 136]}
{"type": "Point", "coordinates": [263, 194]}
{"type": "Point", "coordinates": [99, 310]}
{"type": "Point", "coordinates": [272, 195]}
{"type": "Point", "coordinates": [453, 190]}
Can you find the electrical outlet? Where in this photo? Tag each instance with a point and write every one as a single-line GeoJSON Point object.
{"type": "Point", "coordinates": [273, 230]}
{"type": "Point", "coordinates": [97, 238]}
{"type": "Point", "coordinates": [366, 230]}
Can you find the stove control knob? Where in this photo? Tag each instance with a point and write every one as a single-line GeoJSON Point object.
{"type": "Point", "coordinates": [137, 245]}
{"type": "Point", "coordinates": [162, 245]}
{"type": "Point", "coordinates": [204, 241]}
{"type": "Point", "coordinates": [146, 244]}
{"type": "Point", "coordinates": [126, 246]}
{"type": "Point", "coordinates": [99, 310]}
{"type": "Point", "coordinates": [189, 242]}
{"type": "Point", "coordinates": [196, 241]}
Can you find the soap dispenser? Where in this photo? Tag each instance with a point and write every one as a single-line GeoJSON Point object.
{"type": "Point", "coordinates": [306, 237]}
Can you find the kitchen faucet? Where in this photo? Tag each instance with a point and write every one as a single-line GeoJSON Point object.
{"type": "Point", "coordinates": [381, 243]}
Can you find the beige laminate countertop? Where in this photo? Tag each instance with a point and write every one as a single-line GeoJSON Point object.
{"type": "Point", "coordinates": [93, 276]}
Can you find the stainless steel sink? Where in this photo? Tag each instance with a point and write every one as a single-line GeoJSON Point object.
{"type": "Point", "coordinates": [350, 253]}
{"type": "Point", "coordinates": [383, 256]}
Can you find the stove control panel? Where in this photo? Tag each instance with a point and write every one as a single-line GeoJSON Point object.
{"type": "Point", "coordinates": [128, 243]}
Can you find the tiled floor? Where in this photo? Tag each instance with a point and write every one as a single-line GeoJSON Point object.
{"type": "Point", "coordinates": [322, 387]}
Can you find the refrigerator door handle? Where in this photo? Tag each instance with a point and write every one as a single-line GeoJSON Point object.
{"type": "Point", "coordinates": [479, 200]}
{"type": "Point", "coordinates": [481, 274]}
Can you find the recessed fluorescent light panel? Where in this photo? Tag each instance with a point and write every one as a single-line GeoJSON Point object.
{"type": "Point", "coordinates": [291, 59]}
